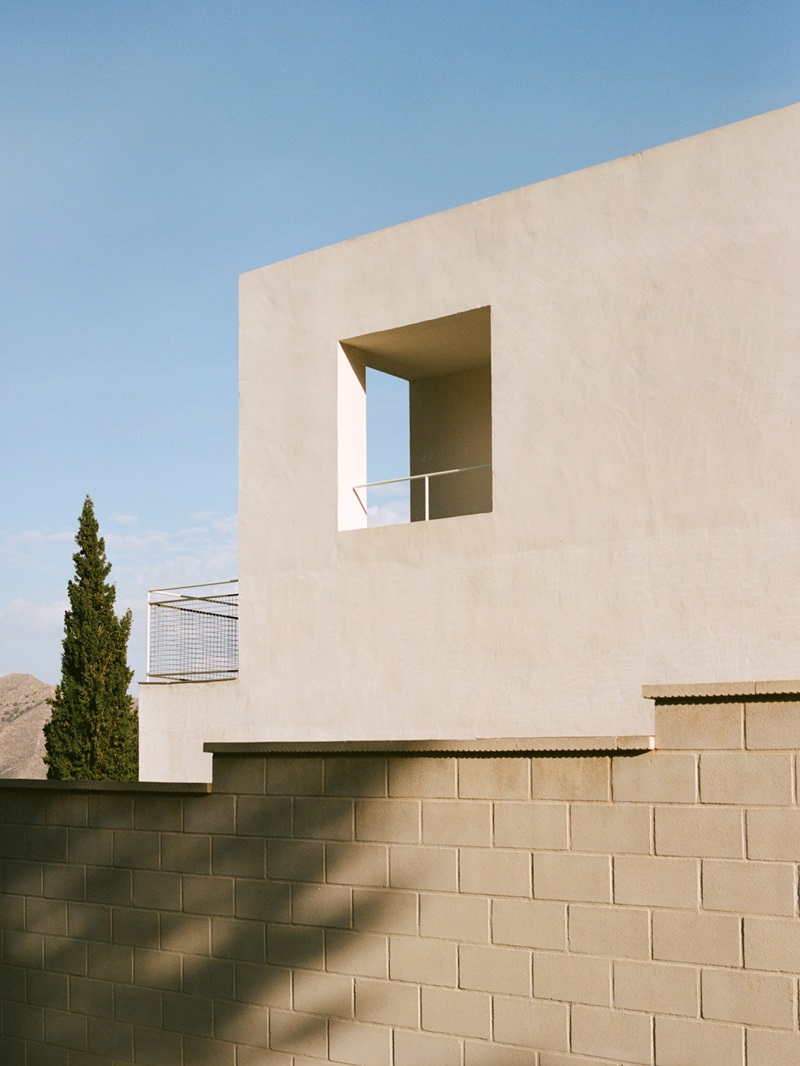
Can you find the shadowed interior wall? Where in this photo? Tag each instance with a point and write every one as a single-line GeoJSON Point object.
{"type": "Point", "coordinates": [450, 426]}
{"type": "Point", "coordinates": [377, 910]}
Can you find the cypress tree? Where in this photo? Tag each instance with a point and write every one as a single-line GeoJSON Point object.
{"type": "Point", "coordinates": [93, 734]}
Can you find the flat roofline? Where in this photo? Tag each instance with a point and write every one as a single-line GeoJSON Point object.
{"type": "Point", "coordinates": [476, 746]}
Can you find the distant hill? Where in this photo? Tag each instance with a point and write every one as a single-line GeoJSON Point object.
{"type": "Point", "coordinates": [23, 712]}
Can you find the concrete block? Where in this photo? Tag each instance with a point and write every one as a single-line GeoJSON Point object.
{"type": "Point", "coordinates": [65, 1029]}
{"type": "Point", "coordinates": [707, 832]}
{"type": "Point", "coordinates": [186, 852]}
{"type": "Point", "coordinates": [302, 1034]}
{"type": "Point", "coordinates": [701, 938]}
{"type": "Point", "coordinates": [695, 726]}
{"type": "Point", "coordinates": [426, 869]}
{"type": "Point", "coordinates": [111, 962]}
{"type": "Point", "coordinates": [459, 822]}
{"type": "Point", "coordinates": [237, 856]}
{"type": "Point", "coordinates": [157, 969]}
{"type": "Point", "coordinates": [13, 983]}
{"type": "Point", "coordinates": [164, 813]}
{"type": "Point", "coordinates": [423, 778]}
{"type": "Point", "coordinates": [269, 986]}
{"type": "Point", "coordinates": [529, 923]}
{"type": "Point", "coordinates": [658, 988]}
{"type": "Point", "coordinates": [23, 949]}
{"type": "Point", "coordinates": [766, 1047]}
{"type": "Point", "coordinates": [12, 1051]}
{"type": "Point", "coordinates": [47, 843]}
{"type": "Point", "coordinates": [239, 773]}
{"type": "Point", "coordinates": [748, 887]}
{"type": "Point", "coordinates": [156, 1047]}
{"type": "Point", "coordinates": [457, 1012]}
{"type": "Point", "coordinates": [209, 977]}
{"type": "Point", "coordinates": [357, 864]}
{"type": "Point", "coordinates": [749, 998]}
{"type": "Point", "coordinates": [112, 810]}
{"type": "Point", "coordinates": [198, 1049]}
{"type": "Point", "coordinates": [301, 776]}
{"type": "Point", "coordinates": [90, 921]}
{"type": "Point", "coordinates": [90, 996]}
{"type": "Point", "coordinates": [107, 884]}
{"type": "Point", "coordinates": [208, 895]}
{"type": "Point", "coordinates": [326, 905]}
{"type": "Point", "coordinates": [573, 978]}
{"type": "Point", "coordinates": [487, 777]}
{"type": "Point", "coordinates": [209, 814]}
{"type": "Point", "coordinates": [648, 881]}
{"type": "Point", "coordinates": [140, 1005]}
{"type": "Point", "coordinates": [23, 1020]}
{"type": "Point", "coordinates": [486, 968]}
{"type": "Point", "coordinates": [560, 777]}
{"type": "Point", "coordinates": [772, 724]}
{"type": "Point", "coordinates": [384, 911]}
{"type": "Point", "coordinates": [612, 1034]}
{"type": "Point", "coordinates": [617, 932]}
{"type": "Point", "coordinates": [60, 882]}
{"type": "Point", "coordinates": [297, 946]}
{"type": "Point", "coordinates": [540, 826]}
{"type": "Point", "coordinates": [423, 961]}
{"type": "Point", "coordinates": [235, 938]}
{"type": "Point", "coordinates": [188, 1014]}
{"type": "Point", "coordinates": [21, 877]}
{"type": "Point", "coordinates": [774, 833]}
{"type": "Point", "coordinates": [138, 928]}
{"type": "Point", "coordinates": [461, 918]}
{"type": "Point", "coordinates": [387, 1003]}
{"type": "Point", "coordinates": [247, 1023]}
{"type": "Point", "coordinates": [486, 1053]}
{"type": "Point", "coordinates": [583, 878]}
{"type": "Point", "coordinates": [65, 808]}
{"type": "Point", "coordinates": [188, 933]}
{"type": "Point", "coordinates": [45, 916]}
{"type": "Point", "coordinates": [358, 954]}
{"type": "Point", "coordinates": [357, 775]}
{"type": "Point", "coordinates": [749, 777]}
{"type": "Point", "coordinates": [156, 888]}
{"type": "Point", "coordinates": [323, 819]}
{"type": "Point", "coordinates": [531, 1023]}
{"type": "Point", "coordinates": [296, 860]}
{"type": "Point", "coordinates": [251, 1056]}
{"type": "Point", "coordinates": [264, 816]}
{"type": "Point", "coordinates": [137, 849]}
{"type": "Point", "coordinates": [330, 995]}
{"type": "Point", "coordinates": [772, 944]}
{"type": "Point", "coordinates": [610, 827]}
{"type": "Point", "coordinates": [656, 777]}
{"type": "Point", "coordinates": [494, 872]}
{"type": "Point", "coordinates": [681, 1041]}
{"type": "Point", "coordinates": [425, 1049]}
{"type": "Point", "coordinates": [95, 846]}
{"type": "Point", "coordinates": [64, 955]}
{"type": "Point", "coordinates": [390, 821]}
{"type": "Point", "coordinates": [264, 899]}
{"type": "Point", "coordinates": [360, 1045]}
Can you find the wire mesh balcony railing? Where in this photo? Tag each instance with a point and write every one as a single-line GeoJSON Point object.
{"type": "Point", "coordinates": [193, 632]}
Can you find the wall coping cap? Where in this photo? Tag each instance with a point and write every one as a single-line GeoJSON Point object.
{"type": "Point", "coordinates": [727, 689]}
{"type": "Point", "coordinates": [105, 786]}
{"type": "Point", "coordinates": [476, 746]}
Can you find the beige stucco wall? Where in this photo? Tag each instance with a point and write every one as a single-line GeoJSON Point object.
{"type": "Point", "coordinates": [646, 413]}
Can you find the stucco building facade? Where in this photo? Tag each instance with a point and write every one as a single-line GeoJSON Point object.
{"type": "Point", "coordinates": [614, 355]}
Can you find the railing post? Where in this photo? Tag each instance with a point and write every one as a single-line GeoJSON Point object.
{"type": "Point", "coordinates": [427, 498]}
{"type": "Point", "coordinates": [147, 666]}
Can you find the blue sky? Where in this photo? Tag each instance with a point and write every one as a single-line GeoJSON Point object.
{"type": "Point", "coordinates": [150, 152]}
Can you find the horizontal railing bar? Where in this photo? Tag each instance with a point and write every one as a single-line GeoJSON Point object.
{"type": "Point", "coordinates": [202, 585]}
{"type": "Point", "coordinates": [416, 477]}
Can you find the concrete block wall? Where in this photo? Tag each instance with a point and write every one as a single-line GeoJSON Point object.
{"type": "Point", "coordinates": [388, 909]}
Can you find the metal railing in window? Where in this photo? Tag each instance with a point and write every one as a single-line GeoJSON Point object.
{"type": "Point", "coordinates": [193, 632]}
{"type": "Point", "coordinates": [406, 509]}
